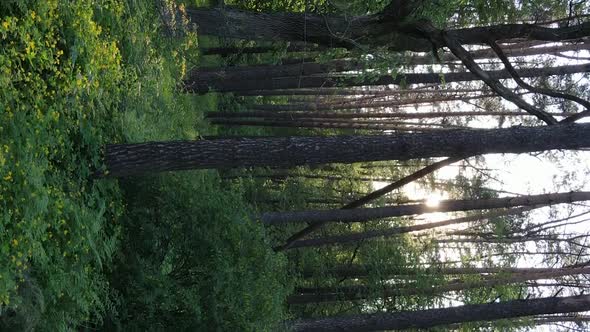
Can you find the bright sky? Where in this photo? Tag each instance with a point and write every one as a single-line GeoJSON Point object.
{"type": "Point", "coordinates": [524, 174]}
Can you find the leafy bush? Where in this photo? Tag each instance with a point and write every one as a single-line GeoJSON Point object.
{"type": "Point", "coordinates": [193, 261]}
{"type": "Point", "coordinates": [59, 89]}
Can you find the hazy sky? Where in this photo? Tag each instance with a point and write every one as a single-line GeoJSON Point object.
{"type": "Point", "coordinates": [525, 174]}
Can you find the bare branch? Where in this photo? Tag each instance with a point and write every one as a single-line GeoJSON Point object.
{"type": "Point", "coordinates": [548, 92]}
{"type": "Point", "coordinates": [451, 41]}
{"type": "Point", "coordinates": [372, 196]}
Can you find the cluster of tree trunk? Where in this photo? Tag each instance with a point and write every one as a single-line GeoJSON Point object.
{"type": "Point", "coordinates": [424, 319]}
{"type": "Point", "coordinates": [394, 231]}
{"type": "Point", "coordinates": [195, 84]}
{"type": "Point", "coordinates": [307, 295]}
{"type": "Point", "coordinates": [367, 214]}
{"type": "Point", "coordinates": [345, 93]}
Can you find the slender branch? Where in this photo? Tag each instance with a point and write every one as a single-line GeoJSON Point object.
{"type": "Point", "coordinates": [306, 295]}
{"type": "Point", "coordinates": [424, 319]}
{"type": "Point", "coordinates": [355, 237]}
{"type": "Point", "coordinates": [372, 196]}
{"type": "Point", "coordinates": [317, 116]}
{"type": "Point", "coordinates": [450, 40]}
{"type": "Point", "coordinates": [525, 85]}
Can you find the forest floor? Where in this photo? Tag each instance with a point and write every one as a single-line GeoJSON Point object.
{"type": "Point", "coordinates": [174, 251]}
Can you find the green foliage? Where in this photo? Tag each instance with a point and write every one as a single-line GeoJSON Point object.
{"type": "Point", "coordinates": [192, 260]}
{"type": "Point", "coordinates": [77, 75]}
{"type": "Point", "coordinates": [482, 12]}
{"type": "Point", "coordinates": [60, 84]}
{"type": "Point", "coordinates": [288, 6]}
{"type": "Point", "coordinates": [504, 292]}
{"type": "Point", "coordinates": [350, 7]}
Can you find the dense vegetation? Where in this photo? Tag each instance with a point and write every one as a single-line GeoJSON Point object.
{"type": "Point", "coordinates": [187, 250]}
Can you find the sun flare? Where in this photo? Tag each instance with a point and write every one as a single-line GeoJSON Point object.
{"type": "Point", "coordinates": [433, 200]}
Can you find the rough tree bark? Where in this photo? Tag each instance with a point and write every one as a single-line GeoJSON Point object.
{"type": "Point", "coordinates": [324, 30]}
{"type": "Point", "coordinates": [366, 104]}
{"type": "Point", "coordinates": [550, 320]}
{"type": "Point", "coordinates": [353, 293]}
{"type": "Point", "coordinates": [367, 214]}
{"type": "Point", "coordinates": [292, 47]}
{"type": "Point", "coordinates": [300, 82]}
{"type": "Point", "coordinates": [211, 77]}
{"type": "Point", "coordinates": [444, 316]}
{"type": "Point", "coordinates": [306, 67]}
{"type": "Point", "coordinates": [317, 116]}
{"type": "Point", "coordinates": [388, 28]}
{"type": "Point", "coordinates": [327, 123]}
{"type": "Point", "coordinates": [369, 91]}
{"type": "Point", "coordinates": [355, 237]}
{"type": "Point", "coordinates": [363, 271]}
{"type": "Point", "coordinates": [135, 159]}
{"type": "Point", "coordinates": [511, 239]}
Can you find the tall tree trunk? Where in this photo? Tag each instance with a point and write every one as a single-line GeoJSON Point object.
{"type": "Point", "coordinates": [284, 176]}
{"type": "Point", "coordinates": [325, 123]}
{"type": "Point", "coordinates": [363, 271]}
{"type": "Point", "coordinates": [353, 293]}
{"type": "Point", "coordinates": [368, 91]}
{"type": "Point", "coordinates": [515, 50]}
{"type": "Point", "coordinates": [306, 67]}
{"type": "Point", "coordinates": [388, 94]}
{"type": "Point", "coordinates": [210, 77]}
{"type": "Point", "coordinates": [540, 320]}
{"type": "Point", "coordinates": [318, 116]}
{"type": "Point", "coordinates": [423, 319]}
{"type": "Point", "coordinates": [367, 214]}
{"type": "Point", "coordinates": [325, 82]}
{"type": "Point", "coordinates": [318, 201]}
{"type": "Point", "coordinates": [383, 29]}
{"type": "Point", "coordinates": [324, 30]}
{"type": "Point", "coordinates": [135, 159]}
{"type": "Point", "coordinates": [368, 104]}
{"type": "Point", "coordinates": [512, 239]}
{"type": "Point", "coordinates": [561, 319]}
{"type": "Point", "coordinates": [355, 237]}
{"type": "Point", "coordinates": [384, 122]}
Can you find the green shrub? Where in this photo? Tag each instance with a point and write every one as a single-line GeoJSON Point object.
{"type": "Point", "coordinates": [59, 87]}
{"type": "Point", "coordinates": [193, 261]}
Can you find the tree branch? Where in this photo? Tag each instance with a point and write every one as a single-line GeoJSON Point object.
{"type": "Point", "coordinates": [451, 40]}
{"type": "Point", "coordinates": [372, 196]}
{"type": "Point", "coordinates": [527, 31]}
{"type": "Point", "coordinates": [548, 92]}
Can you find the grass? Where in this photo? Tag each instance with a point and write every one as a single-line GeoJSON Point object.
{"type": "Point", "coordinates": [141, 253]}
